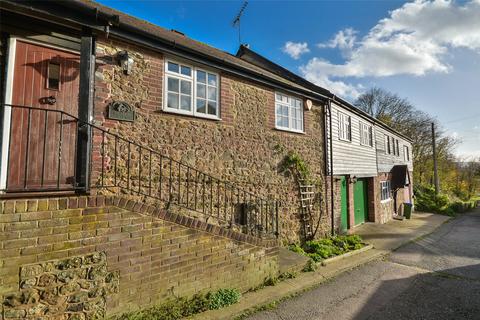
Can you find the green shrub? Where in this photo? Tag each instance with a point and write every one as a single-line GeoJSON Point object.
{"type": "Point", "coordinates": [222, 298]}
{"type": "Point", "coordinates": [427, 200]}
{"type": "Point", "coordinates": [310, 266]}
{"type": "Point", "coordinates": [318, 250]}
{"type": "Point", "coordinates": [296, 248]}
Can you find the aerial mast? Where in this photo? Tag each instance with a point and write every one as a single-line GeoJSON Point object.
{"type": "Point", "coordinates": [236, 20]}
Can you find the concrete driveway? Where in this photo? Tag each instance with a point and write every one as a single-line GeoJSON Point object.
{"type": "Point", "coordinates": [436, 277]}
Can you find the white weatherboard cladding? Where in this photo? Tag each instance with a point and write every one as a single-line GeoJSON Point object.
{"type": "Point", "coordinates": [386, 161]}
{"type": "Point", "coordinates": [351, 157]}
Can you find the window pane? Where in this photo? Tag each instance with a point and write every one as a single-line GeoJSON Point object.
{"type": "Point", "coordinates": [186, 71]}
{"type": "Point", "coordinates": [201, 88]}
{"type": "Point", "coordinates": [284, 122]}
{"type": "Point", "coordinates": [298, 114]}
{"type": "Point", "coordinates": [186, 87]}
{"type": "Point", "coordinates": [53, 76]}
{"type": "Point", "coordinates": [295, 125]}
{"type": "Point", "coordinates": [201, 76]}
{"type": "Point", "coordinates": [212, 93]}
{"type": "Point", "coordinates": [212, 79]}
{"type": "Point", "coordinates": [212, 108]}
{"type": "Point", "coordinates": [284, 111]}
{"type": "Point", "coordinates": [201, 106]}
{"type": "Point", "coordinates": [173, 67]}
{"type": "Point", "coordinates": [173, 100]}
{"type": "Point", "coordinates": [279, 121]}
{"type": "Point", "coordinates": [185, 102]}
{"type": "Point", "coordinates": [299, 125]}
{"type": "Point", "coordinates": [172, 84]}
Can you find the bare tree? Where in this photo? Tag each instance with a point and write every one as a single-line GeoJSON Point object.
{"type": "Point", "coordinates": [404, 117]}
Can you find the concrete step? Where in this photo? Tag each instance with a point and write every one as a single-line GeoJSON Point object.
{"type": "Point", "coordinates": [291, 261]}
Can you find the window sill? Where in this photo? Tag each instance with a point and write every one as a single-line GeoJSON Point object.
{"type": "Point", "coordinates": [189, 115]}
{"type": "Point", "coordinates": [290, 131]}
{"type": "Point", "coordinates": [344, 140]}
{"type": "Point", "coordinates": [366, 145]}
{"type": "Point", "coordinates": [386, 200]}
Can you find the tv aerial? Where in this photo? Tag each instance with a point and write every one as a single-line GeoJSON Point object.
{"type": "Point", "coordinates": [236, 21]}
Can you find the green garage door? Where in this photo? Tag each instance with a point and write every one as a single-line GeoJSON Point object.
{"type": "Point", "coordinates": [360, 198]}
{"type": "Point", "coordinates": [344, 208]}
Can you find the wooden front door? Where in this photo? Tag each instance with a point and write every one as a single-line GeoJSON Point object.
{"type": "Point", "coordinates": [42, 145]}
{"type": "Point", "coordinates": [360, 201]}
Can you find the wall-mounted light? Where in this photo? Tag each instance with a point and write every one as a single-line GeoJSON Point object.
{"type": "Point", "coordinates": [125, 61]}
{"type": "Point", "coordinates": [308, 105]}
{"type": "Point", "coordinates": [353, 179]}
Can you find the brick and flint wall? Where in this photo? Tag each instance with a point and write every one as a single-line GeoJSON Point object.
{"type": "Point", "coordinates": [243, 147]}
{"type": "Point", "coordinates": [90, 257]}
{"type": "Point", "coordinates": [383, 211]}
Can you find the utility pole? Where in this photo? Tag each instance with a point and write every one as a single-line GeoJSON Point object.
{"type": "Point", "coordinates": [435, 169]}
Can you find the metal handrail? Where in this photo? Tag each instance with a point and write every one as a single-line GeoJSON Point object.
{"type": "Point", "coordinates": [181, 185]}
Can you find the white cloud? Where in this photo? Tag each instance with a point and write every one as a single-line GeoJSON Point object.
{"type": "Point", "coordinates": [295, 49]}
{"type": "Point", "coordinates": [344, 40]}
{"type": "Point", "coordinates": [413, 40]}
{"type": "Point", "coordinates": [312, 73]}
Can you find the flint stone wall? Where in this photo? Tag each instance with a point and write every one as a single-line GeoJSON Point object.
{"type": "Point", "coordinates": [243, 148]}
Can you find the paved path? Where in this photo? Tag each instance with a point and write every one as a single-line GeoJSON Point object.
{"type": "Point", "coordinates": [436, 277]}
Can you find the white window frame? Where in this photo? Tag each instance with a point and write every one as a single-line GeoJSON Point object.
{"type": "Point", "coordinates": [366, 134]}
{"type": "Point", "coordinates": [344, 127]}
{"type": "Point", "coordinates": [290, 104]}
{"type": "Point", "coordinates": [397, 145]}
{"type": "Point", "coordinates": [193, 99]}
{"type": "Point", "coordinates": [387, 145]}
{"type": "Point", "coordinates": [406, 153]}
{"type": "Point", "coordinates": [385, 191]}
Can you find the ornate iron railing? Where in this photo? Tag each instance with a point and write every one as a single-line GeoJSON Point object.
{"type": "Point", "coordinates": [42, 156]}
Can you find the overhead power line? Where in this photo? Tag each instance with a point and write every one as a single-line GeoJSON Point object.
{"type": "Point", "coordinates": [476, 115]}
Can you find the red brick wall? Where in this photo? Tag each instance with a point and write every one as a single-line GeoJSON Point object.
{"type": "Point", "coordinates": [350, 203]}
{"type": "Point", "coordinates": [384, 211]}
{"type": "Point", "coordinates": [155, 257]}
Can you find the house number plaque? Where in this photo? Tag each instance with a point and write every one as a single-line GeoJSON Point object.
{"type": "Point", "coordinates": [120, 110]}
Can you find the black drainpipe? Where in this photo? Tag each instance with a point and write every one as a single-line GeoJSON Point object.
{"type": "Point", "coordinates": [85, 111]}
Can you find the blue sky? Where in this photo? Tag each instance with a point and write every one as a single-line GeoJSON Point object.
{"type": "Point", "coordinates": [426, 51]}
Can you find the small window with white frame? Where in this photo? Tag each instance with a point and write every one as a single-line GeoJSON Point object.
{"type": "Point", "coordinates": [288, 113]}
{"type": "Point", "coordinates": [397, 145]}
{"type": "Point", "coordinates": [385, 190]}
{"type": "Point", "coordinates": [406, 153]}
{"type": "Point", "coordinates": [387, 145]}
{"type": "Point", "coordinates": [366, 134]}
{"type": "Point", "coordinates": [191, 90]}
{"type": "Point", "coordinates": [344, 127]}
